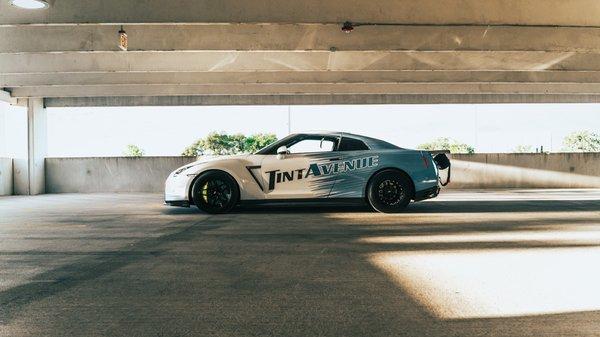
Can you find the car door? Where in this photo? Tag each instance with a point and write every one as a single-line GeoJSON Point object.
{"type": "Point", "coordinates": [357, 164]}
{"type": "Point", "coordinates": [304, 171]}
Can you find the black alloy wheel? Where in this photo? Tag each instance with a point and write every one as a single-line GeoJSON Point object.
{"type": "Point", "coordinates": [215, 192]}
{"type": "Point", "coordinates": [389, 191]}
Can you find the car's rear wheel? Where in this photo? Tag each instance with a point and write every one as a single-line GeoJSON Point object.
{"type": "Point", "coordinates": [389, 191]}
{"type": "Point", "coordinates": [215, 192]}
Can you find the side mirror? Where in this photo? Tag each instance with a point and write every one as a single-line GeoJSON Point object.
{"type": "Point", "coordinates": [282, 151]}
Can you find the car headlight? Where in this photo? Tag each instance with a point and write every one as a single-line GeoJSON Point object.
{"type": "Point", "coordinates": [181, 169]}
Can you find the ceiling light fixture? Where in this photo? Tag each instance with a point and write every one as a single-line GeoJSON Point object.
{"type": "Point", "coordinates": [123, 44]}
{"type": "Point", "coordinates": [347, 27]}
{"type": "Point", "coordinates": [30, 4]}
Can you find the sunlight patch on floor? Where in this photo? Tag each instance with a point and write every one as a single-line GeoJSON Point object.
{"type": "Point", "coordinates": [579, 237]}
{"type": "Point", "coordinates": [497, 282]}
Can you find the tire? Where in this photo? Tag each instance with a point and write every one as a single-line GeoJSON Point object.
{"type": "Point", "coordinates": [215, 192]}
{"type": "Point", "coordinates": [389, 191]}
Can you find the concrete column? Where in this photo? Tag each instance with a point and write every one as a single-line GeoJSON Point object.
{"type": "Point", "coordinates": [3, 127]}
{"type": "Point", "coordinates": [15, 141]}
{"type": "Point", "coordinates": [37, 147]}
{"type": "Point", "coordinates": [29, 170]}
{"type": "Point", "coordinates": [6, 166]}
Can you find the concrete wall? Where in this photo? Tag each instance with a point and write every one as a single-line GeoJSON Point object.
{"type": "Point", "coordinates": [493, 170]}
{"type": "Point", "coordinates": [6, 176]}
{"type": "Point", "coordinates": [526, 170]}
{"type": "Point", "coordinates": [110, 174]}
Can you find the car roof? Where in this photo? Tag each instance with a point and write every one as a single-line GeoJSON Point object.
{"type": "Point", "coordinates": [372, 143]}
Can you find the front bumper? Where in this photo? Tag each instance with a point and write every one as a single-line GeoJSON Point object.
{"type": "Point", "coordinates": [176, 190]}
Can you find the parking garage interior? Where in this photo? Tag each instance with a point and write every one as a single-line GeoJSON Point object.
{"type": "Point", "coordinates": [87, 247]}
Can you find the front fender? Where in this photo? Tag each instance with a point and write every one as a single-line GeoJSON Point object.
{"type": "Point", "coordinates": [249, 189]}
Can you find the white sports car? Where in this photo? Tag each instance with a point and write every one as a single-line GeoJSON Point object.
{"type": "Point", "coordinates": [308, 167]}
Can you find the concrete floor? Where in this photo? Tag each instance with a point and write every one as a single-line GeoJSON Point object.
{"type": "Point", "coordinates": [496, 263]}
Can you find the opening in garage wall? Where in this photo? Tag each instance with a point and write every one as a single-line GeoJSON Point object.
{"type": "Point", "coordinates": [13, 131]}
{"type": "Point", "coordinates": [106, 131]}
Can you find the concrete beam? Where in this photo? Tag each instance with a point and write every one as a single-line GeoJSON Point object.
{"type": "Point", "coordinates": [524, 12]}
{"type": "Point", "coordinates": [68, 62]}
{"type": "Point", "coordinates": [315, 99]}
{"type": "Point", "coordinates": [269, 47]}
{"type": "Point", "coordinates": [307, 89]}
{"type": "Point", "coordinates": [6, 97]}
{"type": "Point", "coordinates": [389, 76]}
{"type": "Point", "coordinates": [302, 37]}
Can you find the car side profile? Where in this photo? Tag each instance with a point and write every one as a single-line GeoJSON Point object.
{"type": "Point", "coordinates": [312, 166]}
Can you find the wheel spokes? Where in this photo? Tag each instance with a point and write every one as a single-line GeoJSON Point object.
{"type": "Point", "coordinates": [390, 192]}
{"type": "Point", "coordinates": [216, 193]}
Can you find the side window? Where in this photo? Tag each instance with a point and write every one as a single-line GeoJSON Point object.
{"type": "Point", "coordinates": [312, 145]}
{"type": "Point", "coordinates": [351, 144]}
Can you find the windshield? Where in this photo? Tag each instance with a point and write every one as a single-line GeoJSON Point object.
{"type": "Point", "coordinates": [273, 147]}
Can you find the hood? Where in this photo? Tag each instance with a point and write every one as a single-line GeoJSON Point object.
{"type": "Point", "coordinates": [212, 158]}
{"type": "Point", "coordinates": [204, 160]}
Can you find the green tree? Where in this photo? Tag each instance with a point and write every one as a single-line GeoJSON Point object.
{"type": "Point", "coordinates": [582, 141]}
{"type": "Point", "coordinates": [257, 141]}
{"type": "Point", "coordinates": [523, 149]}
{"type": "Point", "coordinates": [224, 144]}
{"type": "Point", "coordinates": [444, 143]}
{"type": "Point", "coordinates": [133, 151]}
{"type": "Point", "coordinates": [194, 150]}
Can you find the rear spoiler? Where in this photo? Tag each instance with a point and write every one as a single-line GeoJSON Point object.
{"type": "Point", "coordinates": [443, 162]}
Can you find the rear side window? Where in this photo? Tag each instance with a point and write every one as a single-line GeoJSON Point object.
{"type": "Point", "coordinates": [351, 144]}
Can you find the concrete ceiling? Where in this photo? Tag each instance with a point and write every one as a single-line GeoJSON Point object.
{"type": "Point", "coordinates": [273, 51]}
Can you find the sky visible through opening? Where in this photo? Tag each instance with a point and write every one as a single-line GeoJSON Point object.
{"type": "Point", "coordinates": [163, 131]}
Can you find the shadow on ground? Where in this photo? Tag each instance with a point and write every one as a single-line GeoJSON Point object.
{"type": "Point", "coordinates": [267, 271]}
{"type": "Point", "coordinates": [432, 206]}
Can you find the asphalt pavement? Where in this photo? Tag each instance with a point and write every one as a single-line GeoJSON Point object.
{"type": "Point", "coordinates": [469, 263]}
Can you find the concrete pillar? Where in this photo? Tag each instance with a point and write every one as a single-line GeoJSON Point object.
{"type": "Point", "coordinates": [3, 127]}
{"type": "Point", "coordinates": [29, 170]}
{"type": "Point", "coordinates": [37, 148]}
{"type": "Point", "coordinates": [14, 138]}
{"type": "Point", "coordinates": [6, 166]}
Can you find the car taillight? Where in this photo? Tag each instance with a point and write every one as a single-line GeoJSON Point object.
{"type": "Point", "coordinates": [425, 161]}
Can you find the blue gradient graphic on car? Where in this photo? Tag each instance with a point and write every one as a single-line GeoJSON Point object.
{"type": "Point", "coordinates": [321, 169]}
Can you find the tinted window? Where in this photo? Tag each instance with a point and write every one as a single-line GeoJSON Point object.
{"type": "Point", "coordinates": [312, 145]}
{"type": "Point", "coordinates": [351, 144]}
{"type": "Point", "coordinates": [303, 143]}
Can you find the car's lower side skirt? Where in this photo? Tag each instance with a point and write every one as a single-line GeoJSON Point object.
{"type": "Point", "coordinates": [304, 201]}
{"type": "Point", "coordinates": [420, 195]}
{"type": "Point", "coordinates": [178, 203]}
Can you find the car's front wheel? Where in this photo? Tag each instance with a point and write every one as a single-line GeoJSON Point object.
{"type": "Point", "coordinates": [389, 191]}
{"type": "Point", "coordinates": [215, 192]}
